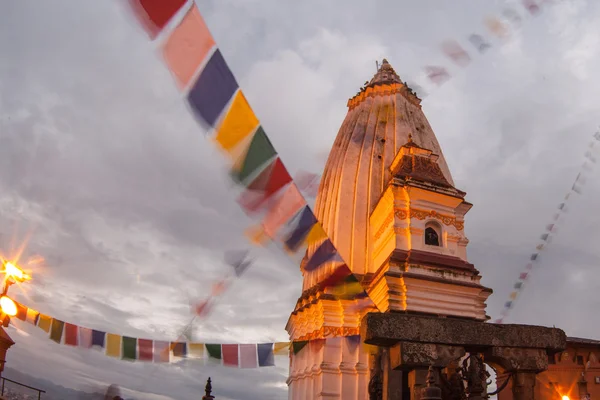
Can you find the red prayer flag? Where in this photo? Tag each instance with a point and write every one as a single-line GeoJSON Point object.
{"type": "Point", "coordinates": [264, 186]}
{"type": "Point", "coordinates": [230, 355]}
{"type": "Point", "coordinates": [154, 15]}
{"type": "Point", "coordinates": [71, 333]}
{"type": "Point", "coordinates": [145, 350]}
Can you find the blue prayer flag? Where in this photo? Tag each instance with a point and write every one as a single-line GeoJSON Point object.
{"type": "Point", "coordinates": [98, 338]}
{"type": "Point", "coordinates": [213, 89]}
{"type": "Point", "coordinates": [266, 357]}
{"type": "Point", "coordinates": [324, 253]}
{"type": "Point", "coordinates": [306, 221]}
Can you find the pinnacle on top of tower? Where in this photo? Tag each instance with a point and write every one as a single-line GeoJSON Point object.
{"type": "Point", "coordinates": [385, 74]}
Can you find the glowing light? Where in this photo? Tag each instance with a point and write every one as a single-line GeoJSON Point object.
{"type": "Point", "coordinates": [565, 397]}
{"type": "Point", "coordinates": [15, 272]}
{"type": "Point", "coordinates": [8, 306]}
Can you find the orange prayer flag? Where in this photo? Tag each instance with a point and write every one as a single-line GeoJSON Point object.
{"type": "Point", "coordinates": [239, 123]}
{"type": "Point", "coordinates": [187, 47]}
{"type": "Point", "coordinates": [281, 348]}
{"type": "Point", "coordinates": [45, 322]}
{"type": "Point", "coordinates": [257, 235]}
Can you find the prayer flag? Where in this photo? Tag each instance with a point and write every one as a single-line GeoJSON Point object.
{"type": "Point", "coordinates": [265, 185]}
{"type": "Point", "coordinates": [297, 346]}
{"type": "Point", "coordinates": [561, 206]}
{"type": "Point", "coordinates": [239, 122]}
{"type": "Point", "coordinates": [590, 156]}
{"type": "Point", "coordinates": [529, 266]}
{"type": "Point", "coordinates": [238, 260]}
{"type": "Point", "coordinates": [576, 189]}
{"type": "Point", "coordinates": [336, 277]}
{"type": "Point", "coordinates": [203, 308]}
{"type": "Point", "coordinates": [496, 27]}
{"type": "Point", "coordinates": [187, 46]}
{"type": "Point", "coordinates": [248, 356]}
{"type": "Point", "coordinates": [213, 89]}
{"type": "Point", "coordinates": [306, 221]}
{"type": "Point", "coordinates": [113, 345]}
{"type": "Point", "coordinates": [21, 311]}
{"type": "Point", "coordinates": [258, 153]}
{"type": "Point", "coordinates": [512, 15]}
{"type": "Point", "coordinates": [290, 202]}
{"type": "Point", "coordinates": [32, 316]}
{"type": "Point", "coordinates": [71, 333]}
{"type": "Point", "coordinates": [196, 350]}
{"type": "Point", "coordinates": [539, 247]}
{"type": "Point", "coordinates": [324, 253]}
{"type": "Point", "coordinates": [161, 351]}
{"type": "Point", "coordinates": [353, 342]}
{"type": "Point", "coordinates": [348, 289]}
{"type": "Point", "coordinates": [544, 237]}
{"type": "Point", "coordinates": [129, 345]}
{"type": "Point", "coordinates": [498, 321]}
{"type": "Point", "coordinates": [98, 338]}
{"type": "Point", "coordinates": [518, 285]}
{"type": "Point", "coordinates": [316, 234]}
{"type": "Point", "coordinates": [281, 348]}
{"type": "Point", "coordinates": [508, 304]}
{"type": "Point", "coordinates": [85, 337]}
{"type": "Point", "coordinates": [218, 288]}
{"type": "Point", "coordinates": [308, 183]}
{"type": "Point", "coordinates": [456, 53]}
{"type": "Point", "coordinates": [523, 276]}
{"type": "Point", "coordinates": [256, 234]}
{"type": "Point", "coordinates": [534, 256]}
{"type": "Point", "coordinates": [179, 349]}
{"type": "Point", "coordinates": [437, 75]}
{"type": "Point", "coordinates": [531, 6]}
{"type": "Point", "coordinates": [214, 351]}
{"type": "Point", "coordinates": [479, 42]}
{"type": "Point", "coordinates": [549, 227]}
{"type": "Point", "coordinates": [44, 322]}
{"type": "Point", "coordinates": [597, 135]}
{"type": "Point", "coordinates": [56, 330]}
{"type": "Point", "coordinates": [265, 355]}
{"type": "Point", "coordinates": [145, 350]}
{"type": "Point", "coordinates": [230, 355]}
{"type": "Point", "coordinates": [154, 15]}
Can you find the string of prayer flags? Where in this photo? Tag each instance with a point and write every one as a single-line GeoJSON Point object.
{"type": "Point", "coordinates": [218, 103]}
{"type": "Point", "coordinates": [154, 15]}
{"type": "Point", "coordinates": [551, 229]}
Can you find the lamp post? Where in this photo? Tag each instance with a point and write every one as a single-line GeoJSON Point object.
{"type": "Point", "coordinates": [8, 307]}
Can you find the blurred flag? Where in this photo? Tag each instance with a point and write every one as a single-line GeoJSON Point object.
{"type": "Point", "coordinates": [308, 183]}
{"type": "Point", "coordinates": [479, 42]}
{"type": "Point", "coordinates": [437, 75]}
{"type": "Point", "coordinates": [456, 53]}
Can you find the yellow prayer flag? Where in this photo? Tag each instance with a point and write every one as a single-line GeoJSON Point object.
{"type": "Point", "coordinates": [45, 322]}
{"type": "Point", "coordinates": [281, 348]}
{"type": "Point", "coordinates": [32, 316]}
{"type": "Point", "coordinates": [316, 234]}
{"type": "Point", "coordinates": [113, 345]}
{"type": "Point", "coordinates": [239, 123]}
{"type": "Point", "coordinates": [346, 289]}
{"type": "Point", "coordinates": [196, 350]}
{"type": "Point", "coordinates": [513, 295]}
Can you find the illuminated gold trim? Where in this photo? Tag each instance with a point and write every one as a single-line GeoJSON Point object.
{"type": "Point", "coordinates": [421, 215]}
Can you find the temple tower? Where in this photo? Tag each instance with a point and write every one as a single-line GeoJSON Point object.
{"type": "Point", "coordinates": [388, 202]}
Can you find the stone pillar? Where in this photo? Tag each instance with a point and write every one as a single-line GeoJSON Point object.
{"type": "Point", "coordinates": [5, 343]}
{"type": "Point", "coordinates": [523, 386]}
{"type": "Point", "coordinates": [392, 379]}
{"type": "Point", "coordinates": [417, 380]}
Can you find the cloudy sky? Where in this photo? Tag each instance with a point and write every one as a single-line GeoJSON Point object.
{"type": "Point", "coordinates": [107, 174]}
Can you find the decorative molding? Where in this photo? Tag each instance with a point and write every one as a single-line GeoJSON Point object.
{"type": "Point", "coordinates": [421, 215]}
{"type": "Point", "coordinates": [388, 220]}
{"type": "Point", "coordinates": [330, 331]}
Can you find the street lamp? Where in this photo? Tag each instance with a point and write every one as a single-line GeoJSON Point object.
{"type": "Point", "coordinates": [12, 275]}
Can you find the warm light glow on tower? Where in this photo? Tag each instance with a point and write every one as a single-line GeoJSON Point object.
{"type": "Point", "coordinates": [12, 271]}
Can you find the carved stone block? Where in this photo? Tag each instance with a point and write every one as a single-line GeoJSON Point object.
{"type": "Point", "coordinates": [411, 355]}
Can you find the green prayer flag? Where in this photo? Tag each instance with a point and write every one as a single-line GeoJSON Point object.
{"type": "Point", "coordinates": [129, 347]}
{"type": "Point", "coordinates": [56, 330]}
{"type": "Point", "coordinates": [214, 350]}
{"type": "Point", "coordinates": [297, 346]}
{"type": "Point", "coordinates": [259, 152]}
